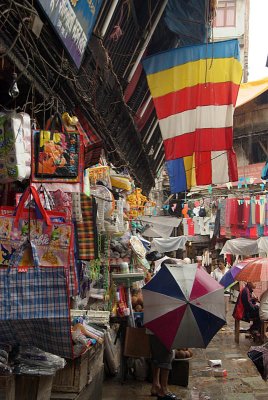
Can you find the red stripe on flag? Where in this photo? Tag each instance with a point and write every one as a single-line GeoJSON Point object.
{"type": "Point", "coordinates": [232, 165]}
{"type": "Point", "coordinates": [213, 139]}
{"type": "Point", "coordinates": [179, 146]}
{"type": "Point", "coordinates": [203, 168]}
{"type": "Point", "coordinates": [206, 139]}
{"type": "Point", "coordinates": [222, 93]}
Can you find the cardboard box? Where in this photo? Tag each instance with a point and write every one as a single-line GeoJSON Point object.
{"type": "Point", "coordinates": [137, 343]}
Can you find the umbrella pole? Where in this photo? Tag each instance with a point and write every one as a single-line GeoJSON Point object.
{"type": "Point", "coordinates": [131, 315]}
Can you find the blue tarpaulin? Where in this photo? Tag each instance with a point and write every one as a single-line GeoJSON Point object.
{"type": "Point", "coordinates": [187, 18]}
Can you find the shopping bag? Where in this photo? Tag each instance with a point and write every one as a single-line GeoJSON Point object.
{"type": "Point", "coordinates": [57, 154]}
{"type": "Point", "coordinates": [34, 305]}
{"type": "Point", "coordinates": [51, 237]}
{"type": "Point", "coordinates": [15, 147]}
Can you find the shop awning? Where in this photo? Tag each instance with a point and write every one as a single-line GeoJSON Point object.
{"type": "Point", "coordinates": [160, 226]}
{"type": "Point", "coordinates": [240, 247]}
{"type": "Point", "coordinates": [164, 245]}
{"type": "Point", "coordinates": [250, 90]}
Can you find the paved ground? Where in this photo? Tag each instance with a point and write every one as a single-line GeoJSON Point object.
{"type": "Point", "coordinates": [243, 381]}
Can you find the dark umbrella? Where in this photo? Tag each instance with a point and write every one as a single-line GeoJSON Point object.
{"type": "Point", "coordinates": [259, 356]}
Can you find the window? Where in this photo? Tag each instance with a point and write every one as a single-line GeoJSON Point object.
{"type": "Point", "coordinates": [225, 13]}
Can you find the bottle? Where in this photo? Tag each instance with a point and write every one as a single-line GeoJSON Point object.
{"type": "Point", "coordinates": [124, 269]}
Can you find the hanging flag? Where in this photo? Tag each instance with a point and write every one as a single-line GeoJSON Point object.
{"type": "Point", "coordinates": [194, 89]}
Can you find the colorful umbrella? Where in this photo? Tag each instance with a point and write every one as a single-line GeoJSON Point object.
{"type": "Point", "coordinates": [229, 278]}
{"type": "Point", "coordinates": [254, 271]}
{"type": "Point", "coordinates": [183, 306]}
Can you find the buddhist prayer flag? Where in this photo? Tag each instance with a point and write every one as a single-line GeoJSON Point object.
{"type": "Point", "coordinates": [194, 89]}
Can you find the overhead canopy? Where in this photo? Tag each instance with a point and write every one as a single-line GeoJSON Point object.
{"type": "Point", "coordinates": [160, 226]}
{"type": "Point", "coordinates": [263, 244]}
{"type": "Point", "coordinates": [250, 90]}
{"type": "Point", "coordinates": [164, 245]}
{"type": "Point", "coordinates": [240, 247]}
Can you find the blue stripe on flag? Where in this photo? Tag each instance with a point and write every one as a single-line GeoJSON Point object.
{"type": "Point", "coordinates": [182, 55]}
{"type": "Point", "coordinates": [177, 175]}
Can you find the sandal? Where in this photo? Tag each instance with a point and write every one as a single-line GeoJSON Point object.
{"type": "Point", "coordinates": [168, 396]}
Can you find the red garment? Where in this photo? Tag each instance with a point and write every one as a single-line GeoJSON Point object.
{"type": "Point", "coordinates": [240, 212]}
{"type": "Point", "coordinates": [234, 212]}
{"type": "Point", "coordinates": [229, 258]}
{"type": "Point", "coordinates": [246, 212]}
{"type": "Point", "coordinates": [257, 212]}
{"type": "Point", "coordinates": [253, 233]}
{"type": "Point", "coordinates": [190, 224]}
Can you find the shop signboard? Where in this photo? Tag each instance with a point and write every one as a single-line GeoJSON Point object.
{"type": "Point", "coordinates": [73, 21]}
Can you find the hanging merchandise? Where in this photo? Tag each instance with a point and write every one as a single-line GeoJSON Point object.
{"type": "Point", "coordinates": [48, 234]}
{"type": "Point", "coordinates": [100, 174]}
{"type": "Point", "coordinates": [34, 293]}
{"type": "Point", "coordinates": [121, 182]}
{"type": "Point", "coordinates": [175, 208]}
{"type": "Point", "coordinates": [15, 147]}
{"type": "Point", "coordinates": [264, 172]}
{"type": "Point", "coordinates": [35, 307]}
{"type": "Point", "coordinates": [85, 224]}
{"type": "Point", "coordinates": [92, 143]}
{"type": "Point", "coordinates": [136, 201]}
{"type": "Point", "coordinates": [58, 154]}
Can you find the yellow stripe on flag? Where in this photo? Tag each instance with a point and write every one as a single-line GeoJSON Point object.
{"type": "Point", "coordinates": [189, 171]}
{"type": "Point", "coordinates": [194, 73]}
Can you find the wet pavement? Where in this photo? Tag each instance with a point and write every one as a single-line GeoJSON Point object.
{"type": "Point", "coordinates": [242, 382]}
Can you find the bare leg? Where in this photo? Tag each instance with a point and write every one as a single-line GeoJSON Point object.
{"type": "Point", "coordinates": [156, 382]}
{"type": "Point", "coordinates": [163, 381]}
{"type": "Point", "coordinates": [226, 300]}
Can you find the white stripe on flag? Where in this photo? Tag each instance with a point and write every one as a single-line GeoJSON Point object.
{"type": "Point", "coordinates": [199, 118]}
{"type": "Point", "coordinates": [220, 168]}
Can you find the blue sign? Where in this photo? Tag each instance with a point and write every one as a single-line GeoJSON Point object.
{"type": "Point", "coordinates": [74, 21]}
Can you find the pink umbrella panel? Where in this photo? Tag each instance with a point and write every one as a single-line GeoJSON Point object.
{"type": "Point", "coordinates": [183, 306]}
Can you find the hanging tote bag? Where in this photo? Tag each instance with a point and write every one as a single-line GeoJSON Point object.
{"type": "Point", "coordinates": [15, 147]}
{"type": "Point", "coordinates": [51, 237]}
{"type": "Point", "coordinates": [57, 154]}
{"type": "Point", "coordinates": [34, 305]}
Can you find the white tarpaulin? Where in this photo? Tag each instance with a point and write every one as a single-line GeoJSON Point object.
{"type": "Point", "coordinates": [164, 245]}
{"type": "Point", "coordinates": [160, 226]}
{"type": "Point", "coordinates": [240, 247]}
{"type": "Point", "coordinates": [263, 245]}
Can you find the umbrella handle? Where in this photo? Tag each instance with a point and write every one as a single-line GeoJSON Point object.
{"type": "Point", "coordinates": [129, 303]}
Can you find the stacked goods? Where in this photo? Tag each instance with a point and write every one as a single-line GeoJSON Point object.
{"type": "Point", "coordinates": [137, 300]}
{"type": "Point", "coordinates": [181, 354]}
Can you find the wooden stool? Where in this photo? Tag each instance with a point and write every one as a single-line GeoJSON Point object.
{"type": "Point", "coordinates": [264, 327]}
{"type": "Point", "coordinates": [237, 330]}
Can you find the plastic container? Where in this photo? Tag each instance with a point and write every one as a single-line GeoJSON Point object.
{"type": "Point", "coordinates": [219, 372]}
{"type": "Point", "coordinates": [124, 268]}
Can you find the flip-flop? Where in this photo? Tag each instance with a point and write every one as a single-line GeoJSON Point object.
{"type": "Point", "coordinates": [168, 396]}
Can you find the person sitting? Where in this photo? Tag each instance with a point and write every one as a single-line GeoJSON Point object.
{"type": "Point", "coordinates": [250, 307]}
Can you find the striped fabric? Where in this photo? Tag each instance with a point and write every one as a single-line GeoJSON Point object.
{"type": "Point", "coordinates": [93, 144]}
{"type": "Point", "coordinates": [86, 229]}
{"type": "Point", "coordinates": [194, 91]}
{"type": "Point", "coordinates": [34, 309]}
